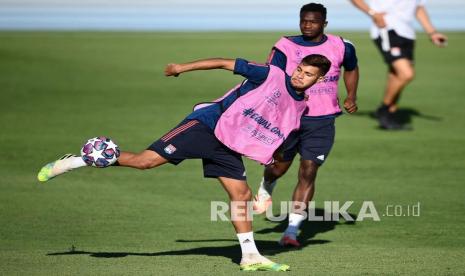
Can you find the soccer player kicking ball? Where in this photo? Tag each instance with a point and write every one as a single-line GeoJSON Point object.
{"type": "Point", "coordinates": [315, 137]}
{"type": "Point", "coordinates": [253, 119]}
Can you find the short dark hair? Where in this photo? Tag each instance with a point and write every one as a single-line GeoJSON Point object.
{"type": "Point", "coordinates": [319, 61]}
{"type": "Point", "coordinates": [314, 7]}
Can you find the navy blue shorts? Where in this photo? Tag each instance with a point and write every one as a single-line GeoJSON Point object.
{"type": "Point", "coordinates": [313, 141]}
{"type": "Point", "coordinates": [192, 139]}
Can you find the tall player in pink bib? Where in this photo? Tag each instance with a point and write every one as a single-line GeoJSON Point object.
{"type": "Point", "coordinates": [253, 120]}
{"type": "Point", "coordinates": [316, 135]}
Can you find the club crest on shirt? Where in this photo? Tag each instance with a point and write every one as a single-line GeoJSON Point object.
{"type": "Point", "coordinates": [170, 149]}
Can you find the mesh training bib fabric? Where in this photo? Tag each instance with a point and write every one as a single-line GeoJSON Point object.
{"type": "Point", "coordinates": [257, 123]}
{"type": "Point", "coordinates": [323, 96]}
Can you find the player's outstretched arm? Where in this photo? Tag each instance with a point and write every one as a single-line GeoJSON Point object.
{"type": "Point", "coordinates": [361, 5]}
{"type": "Point", "coordinates": [174, 69]}
{"type": "Point", "coordinates": [377, 17]}
{"type": "Point", "coordinates": [437, 38]}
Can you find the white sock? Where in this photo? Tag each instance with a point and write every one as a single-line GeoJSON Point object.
{"type": "Point", "coordinates": [294, 224]}
{"type": "Point", "coordinates": [247, 243]}
{"type": "Point", "coordinates": [66, 164]}
{"type": "Point", "coordinates": [266, 189]}
{"type": "Point", "coordinates": [76, 162]}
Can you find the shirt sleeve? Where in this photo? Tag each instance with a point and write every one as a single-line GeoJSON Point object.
{"type": "Point", "coordinates": [277, 58]}
{"type": "Point", "coordinates": [350, 61]}
{"type": "Point", "coordinates": [254, 72]}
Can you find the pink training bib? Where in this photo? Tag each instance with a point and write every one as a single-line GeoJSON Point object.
{"type": "Point", "coordinates": [323, 96]}
{"type": "Point", "coordinates": [257, 123]}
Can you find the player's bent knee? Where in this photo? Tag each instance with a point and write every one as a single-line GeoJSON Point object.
{"type": "Point", "coordinates": [278, 169]}
{"type": "Point", "coordinates": [407, 75]}
{"type": "Point", "coordinates": [404, 70]}
{"type": "Point", "coordinates": [410, 76]}
{"type": "Point", "coordinates": [277, 172]}
{"type": "Point", "coordinates": [307, 171]}
{"type": "Point", "coordinates": [281, 170]}
{"type": "Point", "coordinates": [243, 195]}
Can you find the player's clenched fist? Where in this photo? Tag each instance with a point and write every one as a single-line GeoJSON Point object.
{"type": "Point", "coordinates": [172, 69]}
{"type": "Point", "coordinates": [378, 19]}
{"type": "Point", "coordinates": [350, 105]}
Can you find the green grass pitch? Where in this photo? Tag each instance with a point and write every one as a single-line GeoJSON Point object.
{"type": "Point", "coordinates": [59, 89]}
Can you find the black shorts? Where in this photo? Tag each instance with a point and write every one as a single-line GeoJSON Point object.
{"type": "Point", "coordinates": [399, 47]}
{"type": "Point", "coordinates": [192, 139]}
{"type": "Point", "coordinates": [313, 140]}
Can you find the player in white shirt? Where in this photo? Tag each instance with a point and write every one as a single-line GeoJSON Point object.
{"type": "Point", "coordinates": [393, 33]}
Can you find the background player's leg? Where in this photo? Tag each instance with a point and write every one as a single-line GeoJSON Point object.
{"type": "Point", "coordinates": [271, 173]}
{"type": "Point", "coordinates": [305, 188]}
{"type": "Point", "coordinates": [146, 159]}
{"type": "Point", "coordinates": [276, 170]}
{"type": "Point", "coordinates": [303, 193]}
{"type": "Point", "coordinates": [283, 156]}
{"type": "Point", "coordinates": [402, 73]}
{"type": "Point", "coordinates": [262, 200]}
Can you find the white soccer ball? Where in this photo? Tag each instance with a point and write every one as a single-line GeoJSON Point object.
{"type": "Point", "coordinates": [100, 152]}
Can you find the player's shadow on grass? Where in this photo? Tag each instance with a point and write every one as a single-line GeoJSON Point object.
{"type": "Point", "coordinates": [231, 251]}
{"type": "Point", "coordinates": [403, 115]}
{"type": "Point", "coordinates": [310, 228]}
